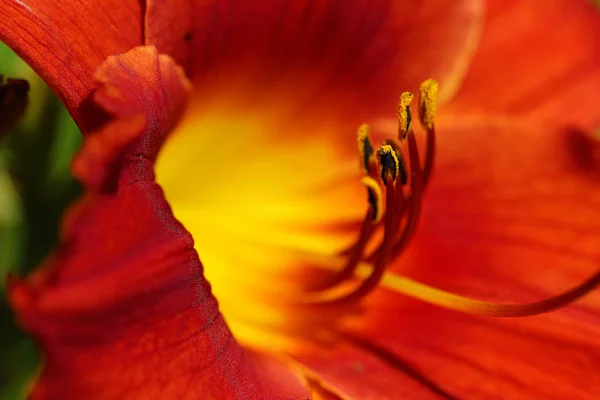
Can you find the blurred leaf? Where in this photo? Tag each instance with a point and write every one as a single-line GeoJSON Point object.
{"type": "Point", "coordinates": [35, 188]}
{"type": "Point", "coordinates": [20, 363]}
{"type": "Point", "coordinates": [11, 225]}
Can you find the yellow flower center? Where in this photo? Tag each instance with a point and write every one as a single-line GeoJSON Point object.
{"type": "Point", "coordinates": [275, 208]}
{"type": "Point", "coordinates": [256, 202]}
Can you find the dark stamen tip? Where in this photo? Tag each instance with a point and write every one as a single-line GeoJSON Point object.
{"type": "Point", "coordinates": [388, 161]}
{"type": "Point", "coordinates": [408, 118]}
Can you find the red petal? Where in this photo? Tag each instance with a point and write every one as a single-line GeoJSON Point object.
{"type": "Point", "coordinates": [353, 373]}
{"type": "Point", "coordinates": [65, 41]}
{"type": "Point", "coordinates": [361, 54]}
{"type": "Point", "coordinates": [133, 91]}
{"type": "Point", "coordinates": [537, 57]}
{"type": "Point", "coordinates": [544, 357]}
{"type": "Point", "coordinates": [511, 201]}
{"type": "Point", "coordinates": [512, 214]}
{"type": "Point", "coordinates": [170, 28]}
{"type": "Point", "coordinates": [122, 309]}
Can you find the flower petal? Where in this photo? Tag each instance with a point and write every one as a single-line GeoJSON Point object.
{"type": "Point", "coordinates": [133, 91]}
{"type": "Point", "coordinates": [122, 309]}
{"type": "Point", "coordinates": [512, 215]}
{"type": "Point", "coordinates": [482, 358]}
{"type": "Point", "coordinates": [170, 28]}
{"type": "Point", "coordinates": [537, 57]}
{"type": "Point", "coordinates": [512, 201]}
{"type": "Point", "coordinates": [65, 41]}
{"type": "Point", "coordinates": [353, 373]}
{"type": "Point", "coordinates": [360, 54]}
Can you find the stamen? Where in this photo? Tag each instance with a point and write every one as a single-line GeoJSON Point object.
{"type": "Point", "coordinates": [404, 116]}
{"type": "Point", "coordinates": [401, 163]}
{"type": "Point", "coordinates": [365, 150]}
{"type": "Point", "coordinates": [467, 305]}
{"type": "Point", "coordinates": [388, 162]}
{"type": "Point", "coordinates": [427, 109]}
{"type": "Point", "coordinates": [416, 198]}
{"type": "Point", "coordinates": [427, 103]}
{"type": "Point", "coordinates": [414, 202]}
{"type": "Point", "coordinates": [386, 167]}
{"type": "Point", "coordinates": [378, 270]}
{"type": "Point", "coordinates": [375, 199]}
{"type": "Point", "coordinates": [355, 253]}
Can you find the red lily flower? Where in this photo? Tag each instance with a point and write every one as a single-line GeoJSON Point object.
{"type": "Point", "coordinates": [258, 178]}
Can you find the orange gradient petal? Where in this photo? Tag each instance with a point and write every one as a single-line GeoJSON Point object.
{"type": "Point", "coordinates": [511, 215]}
{"type": "Point", "coordinates": [169, 28]}
{"type": "Point", "coordinates": [537, 58]}
{"type": "Point", "coordinates": [353, 372]}
{"type": "Point", "coordinates": [542, 357]}
{"type": "Point", "coordinates": [334, 58]}
{"type": "Point", "coordinates": [270, 133]}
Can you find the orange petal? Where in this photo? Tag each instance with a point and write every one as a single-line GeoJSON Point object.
{"type": "Point", "coordinates": [537, 57]}
{"type": "Point", "coordinates": [550, 357]}
{"type": "Point", "coordinates": [512, 214]}
{"type": "Point", "coordinates": [65, 41]}
{"type": "Point", "coordinates": [122, 309]}
{"type": "Point", "coordinates": [169, 28]}
{"type": "Point", "coordinates": [511, 202]}
{"type": "Point", "coordinates": [325, 54]}
{"type": "Point", "coordinates": [351, 372]}
{"type": "Point", "coordinates": [133, 92]}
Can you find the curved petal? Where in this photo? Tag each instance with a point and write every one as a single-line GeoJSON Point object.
{"type": "Point", "coordinates": [537, 57]}
{"type": "Point", "coordinates": [122, 309]}
{"type": "Point", "coordinates": [512, 214]}
{"type": "Point", "coordinates": [133, 91]}
{"type": "Point", "coordinates": [65, 41]}
{"type": "Point", "coordinates": [169, 28]}
{"type": "Point", "coordinates": [358, 54]}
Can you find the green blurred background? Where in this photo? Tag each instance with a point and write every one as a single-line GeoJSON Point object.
{"type": "Point", "coordinates": [35, 188]}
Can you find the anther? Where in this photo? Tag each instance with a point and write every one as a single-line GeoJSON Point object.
{"type": "Point", "coordinates": [427, 103]}
{"type": "Point", "coordinates": [401, 162]}
{"type": "Point", "coordinates": [404, 116]}
{"type": "Point", "coordinates": [427, 108]}
{"type": "Point", "coordinates": [400, 216]}
{"type": "Point", "coordinates": [389, 164]}
{"type": "Point", "coordinates": [374, 197]}
{"type": "Point", "coordinates": [365, 147]}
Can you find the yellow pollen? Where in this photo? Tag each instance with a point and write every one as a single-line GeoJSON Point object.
{"type": "Point", "coordinates": [386, 153]}
{"type": "Point", "coordinates": [427, 103]}
{"type": "Point", "coordinates": [365, 148]}
{"type": "Point", "coordinates": [404, 114]}
{"type": "Point", "coordinates": [363, 133]}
